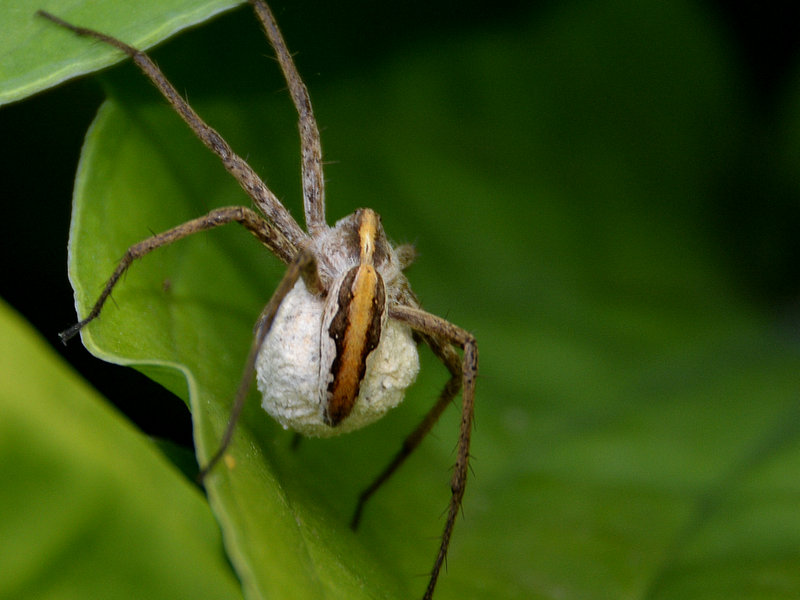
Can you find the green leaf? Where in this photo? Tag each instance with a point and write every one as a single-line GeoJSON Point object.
{"type": "Point", "coordinates": [90, 507]}
{"type": "Point", "coordinates": [37, 55]}
{"type": "Point", "coordinates": [637, 423]}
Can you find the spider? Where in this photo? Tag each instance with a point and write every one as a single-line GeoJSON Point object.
{"type": "Point", "coordinates": [335, 347]}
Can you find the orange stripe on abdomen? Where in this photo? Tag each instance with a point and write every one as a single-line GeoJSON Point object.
{"type": "Point", "coordinates": [356, 331]}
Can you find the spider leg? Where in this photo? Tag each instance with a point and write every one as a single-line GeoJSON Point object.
{"type": "Point", "coordinates": [303, 266]}
{"type": "Point", "coordinates": [442, 333]}
{"type": "Point", "coordinates": [236, 166]}
{"type": "Point", "coordinates": [311, 149]}
{"type": "Point", "coordinates": [267, 233]}
{"type": "Point", "coordinates": [451, 360]}
{"type": "Point", "coordinates": [406, 254]}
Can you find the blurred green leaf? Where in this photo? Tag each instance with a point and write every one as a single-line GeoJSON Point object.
{"type": "Point", "coordinates": [637, 420]}
{"type": "Point", "coordinates": [36, 54]}
{"type": "Point", "coordinates": [90, 508]}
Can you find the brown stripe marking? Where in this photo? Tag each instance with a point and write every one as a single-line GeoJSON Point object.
{"type": "Point", "coordinates": [356, 331]}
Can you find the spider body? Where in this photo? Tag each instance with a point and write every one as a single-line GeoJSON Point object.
{"type": "Point", "coordinates": [332, 361]}
{"type": "Point", "coordinates": [335, 346]}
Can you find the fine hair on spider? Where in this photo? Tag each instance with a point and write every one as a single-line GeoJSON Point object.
{"type": "Point", "coordinates": [335, 346]}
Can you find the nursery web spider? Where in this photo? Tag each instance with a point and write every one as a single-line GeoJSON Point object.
{"type": "Point", "coordinates": [335, 347]}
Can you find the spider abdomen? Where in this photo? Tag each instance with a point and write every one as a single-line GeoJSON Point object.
{"type": "Point", "coordinates": [355, 328]}
{"type": "Point", "coordinates": [297, 358]}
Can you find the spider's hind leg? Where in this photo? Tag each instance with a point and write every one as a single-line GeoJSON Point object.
{"type": "Point", "coordinates": [441, 335]}
{"type": "Point", "coordinates": [447, 355]}
{"type": "Point", "coordinates": [303, 266]}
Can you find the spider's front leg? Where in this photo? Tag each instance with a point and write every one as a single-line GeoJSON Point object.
{"type": "Point", "coordinates": [310, 145]}
{"type": "Point", "coordinates": [268, 234]}
{"type": "Point", "coordinates": [266, 201]}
